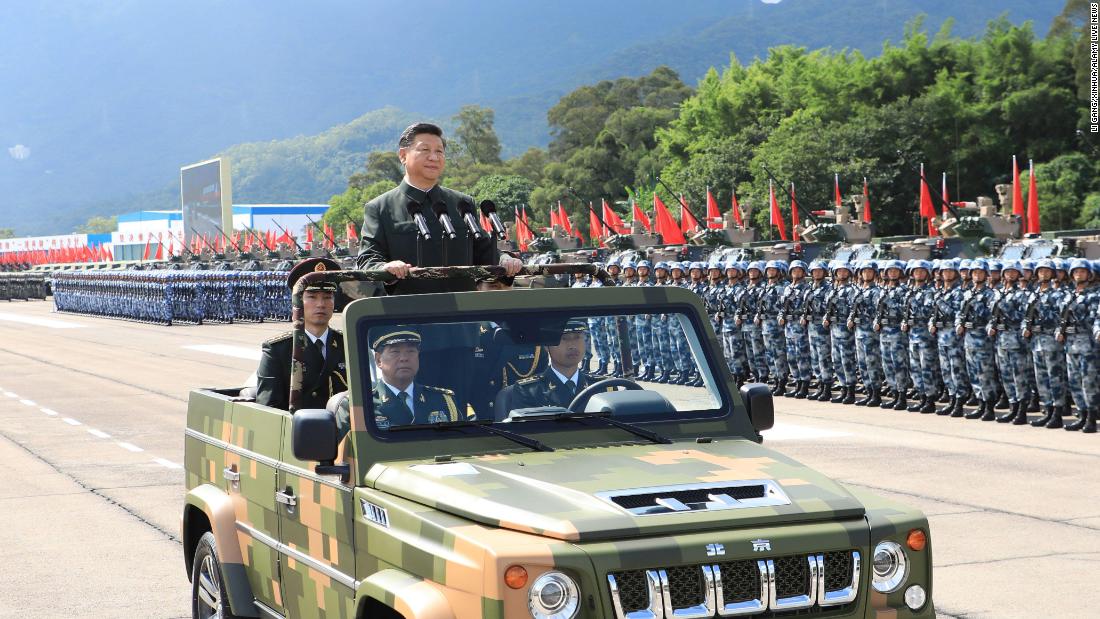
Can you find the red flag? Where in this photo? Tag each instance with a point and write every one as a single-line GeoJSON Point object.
{"type": "Point", "coordinates": [330, 237]}
{"type": "Point", "coordinates": [866, 203]}
{"type": "Point", "coordinates": [1017, 191]}
{"type": "Point", "coordinates": [612, 219]}
{"type": "Point", "coordinates": [144, 254]}
{"type": "Point", "coordinates": [639, 215]}
{"type": "Point", "coordinates": [836, 189]}
{"type": "Point", "coordinates": [776, 216]}
{"type": "Point", "coordinates": [486, 225]}
{"type": "Point", "coordinates": [1032, 201]}
{"type": "Point", "coordinates": [665, 225]}
{"type": "Point", "coordinates": [595, 229]}
{"type": "Point", "coordinates": [714, 216]}
{"type": "Point", "coordinates": [528, 234]}
{"type": "Point", "coordinates": [926, 209]}
{"type": "Point", "coordinates": [794, 215]}
{"type": "Point", "coordinates": [563, 219]}
{"type": "Point", "coordinates": [160, 249]}
{"type": "Point", "coordinates": [352, 234]}
{"type": "Point", "coordinates": [110, 254]}
{"type": "Point", "coordinates": [554, 218]}
{"type": "Point", "coordinates": [688, 223]}
{"type": "Point", "coordinates": [944, 211]}
{"type": "Point", "coordinates": [736, 208]}
{"type": "Point", "coordinates": [309, 237]}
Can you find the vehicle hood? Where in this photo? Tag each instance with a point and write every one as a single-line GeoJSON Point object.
{"type": "Point", "coordinates": [555, 493]}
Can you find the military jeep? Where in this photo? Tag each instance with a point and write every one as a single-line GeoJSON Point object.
{"type": "Point", "coordinates": [628, 499]}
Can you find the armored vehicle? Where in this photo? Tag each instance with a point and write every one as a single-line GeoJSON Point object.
{"type": "Point", "coordinates": [578, 496]}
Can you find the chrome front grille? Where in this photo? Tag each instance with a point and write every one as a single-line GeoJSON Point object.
{"type": "Point", "coordinates": [817, 582]}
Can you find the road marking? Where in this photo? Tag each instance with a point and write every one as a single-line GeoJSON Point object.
{"type": "Point", "coordinates": [71, 421]}
{"type": "Point", "coordinates": [129, 447]}
{"type": "Point", "coordinates": [49, 323]}
{"type": "Point", "coordinates": [98, 433]}
{"type": "Point", "coordinates": [51, 413]}
{"type": "Point", "coordinates": [30, 403]}
{"type": "Point", "coordinates": [240, 352]}
{"type": "Point", "coordinates": [167, 463]}
{"type": "Point", "coordinates": [11, 395]}
{"type": "Point", "coordinates": [794, 432]}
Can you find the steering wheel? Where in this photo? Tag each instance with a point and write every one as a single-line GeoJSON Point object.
{"type": "Point", "coordinates": [581, 399]}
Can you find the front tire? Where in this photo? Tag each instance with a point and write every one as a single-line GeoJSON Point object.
{"type": "Point", "coordinates": [209, 599]}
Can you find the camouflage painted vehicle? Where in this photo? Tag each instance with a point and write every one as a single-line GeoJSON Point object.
{"type": "Point", "coordinates": [633, 500]}
{"type": "Point", "coordinates": [1057, 244]}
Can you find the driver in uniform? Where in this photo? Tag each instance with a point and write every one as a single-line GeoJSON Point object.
{"type": "Point", "coordinates": [398, 398]}
{"type": "Point", "coordinates": [563, 379]}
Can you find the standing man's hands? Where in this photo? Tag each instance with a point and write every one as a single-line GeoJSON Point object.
{"type": "Point", "coordinates": [511, 265]}
{"type": "Point", "coordinates": [398, 268]}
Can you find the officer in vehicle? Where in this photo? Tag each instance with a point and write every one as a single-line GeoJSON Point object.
{"type": "Point", "coordinates": [398, 398]}
{"type": "Point", "coordinates": [325, 373]}
{"type": "Point", "coordinates": [563, 379]}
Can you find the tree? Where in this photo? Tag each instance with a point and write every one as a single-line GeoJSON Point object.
{"type": "Point", "coordinates": [98, 225]}
{"type": "Point", "coordinates": [382, 165]}
{"type": "Point", "coordinates": [7, 233]}
{"type": "Point", "coordinates": [506, 191]}
{"type": "Point", "coordinates": [349, 205]}
{"type": "Point", "coordinates": [477, 140]}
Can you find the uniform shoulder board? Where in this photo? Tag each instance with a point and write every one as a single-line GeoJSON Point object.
{"type": "Point", "coordinates": [442, 390]}
{"type": "Point", "coordinates": [528, 380]}
{"type": "Point", "coordinates": [280, 337]}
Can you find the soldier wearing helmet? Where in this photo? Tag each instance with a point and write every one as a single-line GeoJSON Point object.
{"type": "Point", "coordinates": [1007, 316]}
{"type": "Point", "coordinates": [892, 341]}
{"type": "Point", "coordinates": [1048, 356]}
{"type": "Point", "coordinates": [769, 312]}
{"type": "Point", "coordinates": [794, 329]}
{"type": "Point", "coordinates": [861, 319]}
{"type": "Point", "coordinates": [1075, 330]}
{"type": "Point", "coordinates": [732, 344]}
{"type": "Point", "coordinates": [747, 308]}
{"type": "Point", "coordinates": [972, 323]}
{"type": "Point", "coordinates": [813, 315]}
{"type": "Point", "coordinates": [946, 304]}
{"type": "Point", "coordinates": [838, 306]}
{"type": "Point", "coordinates": [923, 354]}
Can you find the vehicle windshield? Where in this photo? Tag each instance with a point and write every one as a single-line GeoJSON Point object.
{"type": "Point", "coordinates": [506, 368]}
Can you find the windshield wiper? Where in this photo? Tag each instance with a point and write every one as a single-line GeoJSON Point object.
{"type": "Point", "coordinates": [484, 425]}
{"type": "Point", "coordinates": [606, 418]}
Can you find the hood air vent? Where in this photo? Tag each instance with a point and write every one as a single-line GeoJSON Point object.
{"type": "Point", "coordinates": [697, 497]}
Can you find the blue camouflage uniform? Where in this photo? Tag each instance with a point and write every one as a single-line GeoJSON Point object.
{"type": "Point", "coordinates": [842, 339]}
{"type": "Point", "coordinates": [924, 363]}
{"type": "Point", "coordinates": [1078, 320]}
{"type": "Point", "coordinates": [1007, 317]}
{"type": "Point", "coordinates": [945, 306]}
{"type": "Point", "coordinates": [794, 330]}
{"type": "Point", "coordinates": [816, 308]}
{"type": "Point", "coordinates": [768, 311]}
{"type": "Point", "coordinates": [892, 341]}
{"type": "Point", "coordinates": [862, 316]}
{"type": "Point", "coordinates": [1042, 317]}
{"type": "Point", "coordinates": [732, 345]}
{"type": "Point", "coordinates": [974, 317]}
{"type": "Point", "coordinates": [751, 332]}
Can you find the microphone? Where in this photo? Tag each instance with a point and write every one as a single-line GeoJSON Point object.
{"type": "Point", "coordinates": [489, 210]}
{"type": "Point", "coordinates": [467, 209]}
{"type": "Point", "coordinates": [414, 209]}
{"type": "Point", "coordinates": [440, 210]}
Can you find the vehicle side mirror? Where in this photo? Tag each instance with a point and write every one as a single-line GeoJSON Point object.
{"type": "Point", "coordinates": [314, 438]}
{"type": "Point", "coordinates": [758, 401]}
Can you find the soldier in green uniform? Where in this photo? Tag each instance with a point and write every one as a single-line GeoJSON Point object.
{"type": "Point", "coordinates": [325, 373]}
{"type": "Point", "coordinates": [398, 398]}
{"type": "Point", "coordinates": [563, 379]}
{"type": "Point", "coordinates": [390, 239]}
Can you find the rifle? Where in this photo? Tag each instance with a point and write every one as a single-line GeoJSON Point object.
{"type": "Point", "coordinates": [182, 244]}
{"type": "Point", "coordinates": [809, 214]}
{"type": "Point", "coordinates": [203, 239]}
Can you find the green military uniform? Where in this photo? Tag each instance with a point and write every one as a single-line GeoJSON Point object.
{"type": "Point", "coordinates": [547, 389]}
{"type": "Point", "coordinates": [497, 365]}
{"type": "Point", "coordinates": [429, 405]}
{"type": "Point", "coordinates": [324, 371]}
{"type": "Point", "coordinates": [325, 375]}
{"type": "Point", "coordinates": [390, 233]}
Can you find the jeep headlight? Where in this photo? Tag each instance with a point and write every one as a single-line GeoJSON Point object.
{"type": "Point", "coordinates": [554, 596]}
{"type": "Point", "coordinates": [889, 568]}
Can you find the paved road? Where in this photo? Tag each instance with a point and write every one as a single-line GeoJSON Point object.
{"type": "Point", "coordinates": [91, 420]}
